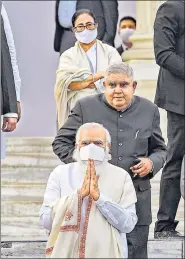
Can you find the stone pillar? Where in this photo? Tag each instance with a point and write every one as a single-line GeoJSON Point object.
{"type": "Point", "coordinates": [141, 55]}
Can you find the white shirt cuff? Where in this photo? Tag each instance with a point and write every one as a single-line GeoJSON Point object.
{"type": "Point", "coordinates": [11, 115]}
{"type": "Point", "coordinates": [100, 202]}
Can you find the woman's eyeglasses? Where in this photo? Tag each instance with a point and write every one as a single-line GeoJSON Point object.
{"type": "Point", "coordinates": [88, 26]}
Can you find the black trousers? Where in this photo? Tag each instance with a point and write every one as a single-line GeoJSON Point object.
{"type": "Point", "coordinates": [137, 241]}
{"type": "Point", "coordinates": [170, 180]}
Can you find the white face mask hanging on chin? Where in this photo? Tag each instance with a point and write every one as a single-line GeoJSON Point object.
{"type": "Point", "coordinates": [93, 152]}
{"type": "Point", "coordinates": [86, 36]}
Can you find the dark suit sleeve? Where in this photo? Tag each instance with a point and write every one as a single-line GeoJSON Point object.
{"type": "Point", "coordinates": [64, 143]}
{"type": "Point", "coordinates": [8, 92]}
{"type": "Point", "coordinates": [157, 148]}
{"type": "Point", "coordinates": [58, 29]}
{"type": "Point", "coordinates": [110, 9]}
{"type": "Point", "coordinates": [120, 50]}
{"type": "Point", "coordinates": [165, 34]}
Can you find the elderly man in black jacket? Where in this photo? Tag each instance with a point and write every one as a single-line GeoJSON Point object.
{"type": "Point", "coordinates": [169, 28]}
{"type": "Point", "coordinates": [106, 13]}
{"type": "Point", "coordinates": [134, 125]}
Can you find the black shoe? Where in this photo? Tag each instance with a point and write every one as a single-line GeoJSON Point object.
{"type": "Point", "coordinates": [168, 233]}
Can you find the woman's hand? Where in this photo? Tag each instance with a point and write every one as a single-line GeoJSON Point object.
{"type": "Point", "coordinates": [91, 85]}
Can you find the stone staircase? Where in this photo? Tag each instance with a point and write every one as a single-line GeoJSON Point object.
{"type": "Point", "coordinates": [36, 249]}
{"type": "Point", "coordinates": [24, 174]}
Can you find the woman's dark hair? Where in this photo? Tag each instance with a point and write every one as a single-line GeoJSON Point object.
{"type": "Point", "coordinates": [79, 12]}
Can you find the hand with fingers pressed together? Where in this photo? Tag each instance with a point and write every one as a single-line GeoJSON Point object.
{"type": "Point", "coordinates": [143, 168]}
{"type": "Point", "coordinates": [90, 184]}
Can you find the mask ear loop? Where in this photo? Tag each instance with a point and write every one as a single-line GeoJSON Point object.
{"type": "Point", "coordinates": [107, 151]}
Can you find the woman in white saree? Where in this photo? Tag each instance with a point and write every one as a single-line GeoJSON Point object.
{"type": "Point", "coordinates": [82, 67]}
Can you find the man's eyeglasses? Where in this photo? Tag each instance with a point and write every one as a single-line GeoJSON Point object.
{"type": "Point", "coordinates": [88, 26]}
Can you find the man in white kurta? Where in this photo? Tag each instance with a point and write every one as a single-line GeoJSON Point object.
{"type": "Point", "coordinates": [99, 195]}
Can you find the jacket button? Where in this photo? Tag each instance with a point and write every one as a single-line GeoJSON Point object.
{"type": "Point", "coordinates": [120, 158]}
{"type": "Point", "coordinates": [121, 116]}
{"type": "Point", "coordinates": [120, 144]}
{"type": "Point", "coordinates": [120, 130]}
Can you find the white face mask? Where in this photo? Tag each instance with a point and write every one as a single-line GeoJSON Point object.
{"type": "Point", "coordinates": [86, 36]}
{"type": "Point", "coordinates": [93, 152]}
{"type": "Point", "coordinates": [126, 33]}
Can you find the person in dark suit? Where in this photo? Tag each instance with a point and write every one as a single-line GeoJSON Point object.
{"type": "Point", "coordinates": [134, 125]}
{"type": "Point", "coordinates": [8, 92]}
{"type": "Point", "coordinates": [106, 13]}
{"type": "Point", "coordinates": [127, 27]}
{"type": "Point", "coordinates": [169, 39]}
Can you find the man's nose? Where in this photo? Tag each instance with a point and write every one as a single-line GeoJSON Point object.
{"type": "Point", "coordinates": [118, 89]}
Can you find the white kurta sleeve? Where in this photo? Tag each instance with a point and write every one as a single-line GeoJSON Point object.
{"type": "Point", "coordinates": [52, 193]}
{"type": "Point", "coordinates": [11, 45]}
{"type": "Point", "coordinates": [123, 219]}
{"type": "Point", "coordinates": [114, 56]}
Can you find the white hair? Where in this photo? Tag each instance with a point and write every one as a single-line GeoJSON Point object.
{"type": "Point", "coordinates": [93, 125]}
{"type": "Point", "coordinates": [76, 154]}
{"type": "Point", "coordinates": [120, 68]}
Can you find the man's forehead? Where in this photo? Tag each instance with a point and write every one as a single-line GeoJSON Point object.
{"type": "Point", "coordinates": [127, 22]}
{"type": "Point", "coordinates": [118, 77]}
{"type": "Point", "coordinates": [95, 133]}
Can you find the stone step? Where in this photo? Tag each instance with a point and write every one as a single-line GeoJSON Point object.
{"type": "Point", "coordinates": [31, 160]}
{"type": "Point", "coordinates": [25, 175]}
{"type": "Point", "coordinates": [18, 196]}
{"type": "Point", "coordinates": [29, 145]}
{"type": "Point", "coordinates": [22, 192]}
{"type": "Point", "coordinates": [23, 220]}
{"type": "Point", "coordinates": [22, 227]}
{"type": "Point", "coordinates": [13, 228]}
{"type": "Point", "coordinates": [20, 208]}
{"type": "Point", "coordinates": [36, 174]}
{"type": "Point", "coordinates": [27, 249]}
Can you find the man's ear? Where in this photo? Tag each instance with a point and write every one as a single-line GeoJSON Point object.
{"type": "Point", "coordinates": [134, 85]}
{"type": "Point", "coordinates": [97, 25]}
{"type": "Point", "coordinates": [104, 84]}
{"type": "Point", "coordinates": [109, 145]}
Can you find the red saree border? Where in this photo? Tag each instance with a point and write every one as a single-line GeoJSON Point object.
{"type": "Point", "coordinates": [84, 234]}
